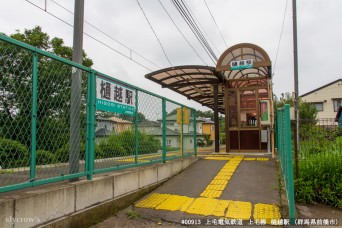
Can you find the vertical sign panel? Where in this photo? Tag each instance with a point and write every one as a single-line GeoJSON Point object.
{"type": "Point", "coordinates": [114, 97]}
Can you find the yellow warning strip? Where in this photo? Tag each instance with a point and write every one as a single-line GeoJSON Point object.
{"type": "Point", "coordinates": [264, 213]}
{"type": "Point", "coordinates": [239, 210]}
{"type": "Point", "coordinates": [225, 158]}
{"type": "Point", "coordinates": [210, 207]}
{"type": "Point", "coordinates": [215, 188]}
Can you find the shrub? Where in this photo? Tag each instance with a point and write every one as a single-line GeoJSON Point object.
{"type": "Point", "coordinates": [13, 154]}
{"type": "Point", "coordinates": [171, 149]}
{"type": "Point", "coordinates": [44, 157]}
{"type": "Point", "coordinates": [201, 142]}
{"type": "Point", "coordinates": [62, 154]}
{"type": "Point", "coordinates": [99, 152]}
{"type": "Point", "coordinates": [148, 146]}
{"type": "Point", "coordinates": [112, 149]}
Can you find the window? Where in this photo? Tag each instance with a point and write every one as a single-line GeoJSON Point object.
{"type": "Point", "coordinates": [191, 141]}
{"type": "Point", "coordinates": [337, 104]}
{"type": "Point", "coordinates": [319, 106]}
{"type": "Point", "coordinates": [212, 127]}
{"type": "Point", "coordinates": [169, 142]}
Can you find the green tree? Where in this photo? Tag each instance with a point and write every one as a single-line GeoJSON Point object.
{"type": "Point", "coordinates": [307, 111]}
{"type": "Point", "coordinates": [53, 90]}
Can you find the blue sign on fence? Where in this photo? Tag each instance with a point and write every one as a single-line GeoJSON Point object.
{"type": "Point", "coordinates": [114, 97]}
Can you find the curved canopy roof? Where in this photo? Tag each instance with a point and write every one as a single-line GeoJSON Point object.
{"type": "Point", "coordinates": [196, 82]}
{"type": "Point", "coordinates": [257, 75]}
{"type": "Point", "coordinates": [192, 81]}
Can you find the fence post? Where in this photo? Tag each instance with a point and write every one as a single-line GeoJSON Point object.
{"type": "Point", "coordinates": [182, 131]}
{"type": "Point", "coordinates": [136, 128]}
{"type": "Point", "coordinates": [34, 116]}
{"type": "Point", "coordinates": [91, 122]}
{"type": "Point", "coordinates": [290, 181]}
{"type": "Point", "coordinates": [164, 129]}
{"type": "Point", "coordinates": [195, 132]}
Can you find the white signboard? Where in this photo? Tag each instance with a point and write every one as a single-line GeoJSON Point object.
{"type": "Point", "coordinates": [241, 64]}
{"type": "Point", "coordinates": [114, 97]}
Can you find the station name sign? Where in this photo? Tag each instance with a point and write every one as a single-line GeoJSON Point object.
{"type": "Point", "coordinates": [114, 97]}
{"type": "Point", "coordinates": [241, 64]}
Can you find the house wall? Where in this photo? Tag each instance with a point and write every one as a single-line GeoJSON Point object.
{"type": "Point", "coordinates": [199, 127]}
{"type": "Point", "coordinates": [104, 124]}
{"type": "Point", "coordinates": [209, 128]}
{"type": "Point", "coordinates": [326, 95]}
{"type": "Point", "coordinates": [120, 127]}
{"type": "Point", "coordinates": [172, 125]}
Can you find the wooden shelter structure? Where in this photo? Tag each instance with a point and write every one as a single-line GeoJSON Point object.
{"type": "Point", "coordinates": [239, 87]}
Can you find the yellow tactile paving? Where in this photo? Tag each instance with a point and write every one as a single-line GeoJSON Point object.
{"type": "Point", "coordinates": [203, 206]}
{"type": "Point", "coordinates": [217, 158]}
{"type": "Point", "coordinates": [153, 200]}
{"type": "Point", "coordinates": [249, 159]}
{"type": "Point", "coordinates": [217, 187]}
{"type": "Point", "coordinates": [208, 204]}
{"type": "Point", "coordinates": [211, 193]}
{"type": "Point", "coordinates": [239, 210]}
{"type": "Point", "coordinates": [266, 212]}
{"type": "Point", "coordinates": [219, 182]}
{"type": "Point", "coordinates": [175, 203]}
{"type": "Point", "coordinates": [262, 159]}
{"type": "Point", "coordinates": [221, 208]}
{"type": "Point", "coordinates": [211, 207]}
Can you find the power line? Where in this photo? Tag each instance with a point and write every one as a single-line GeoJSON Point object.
{"type": "Point", "coordinates": [198, 29]}
{"type": "Point", "coordinates": [92, 37]}
{"type": "Point", "coordinates": [281, 34]}
{"type": "Point", "coordinates": [194, 28]}
{"type": "Point", "coordinates": [215, 22]}
{"type": "Point", "coordinates": [201, 26]}
{"type": "Point", "coordinates": [106, 34]}
{"type": "Point", "coordinates": [154, 32]}
{"type": "Point", "coordinates": [182, 33]}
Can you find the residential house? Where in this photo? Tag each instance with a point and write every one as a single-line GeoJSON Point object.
{"type": "Point", "coordinates": [173, 130]}
{"type": "Point", "coordinates": [108, 126]}
{"type": "Point", "coordinates": [327, 99]}
{"type": "Point", "coordinates": [208, 127]}
{"type": "Point", "coordinates": [120, 125]}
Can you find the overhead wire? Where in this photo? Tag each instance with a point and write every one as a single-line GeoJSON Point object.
{"type": "Point", "coordinates": [201, 26]}
{"type": "Point", "coordinates": [198, 29]}
{"type": "Point", "coordinates": [215, 23]}
{"type": "Point", "coordinates": [194, 30]}
{"type": "Point", "coordinates": [92, 37]}
{"type": "Point", "coordinates": [155, 34]}
{"type": "Point", "coordinates": [106, 34]}
{"type": "Point", "coordinates": [181, 32]}
{"type": "Point", "coordinates": [281, 34]}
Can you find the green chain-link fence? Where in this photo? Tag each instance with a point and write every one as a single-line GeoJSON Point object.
{"type": "Point", "coordinates": [120, 125]}
{"type": "Point", "coordinates": [284, 147]}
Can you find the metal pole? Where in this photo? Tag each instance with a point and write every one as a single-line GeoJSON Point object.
{"type": "Point", "coordinates": [136, 127]}
{"type": "Point", "coordinates": [34, 116]}
{"type": "Point", "coordinates": [76, 87]}
{"type": "Point", "coordinates": [288, 165]}
{"type": "Point", "coordinates": [164, 129]}
{"type": "Point", "coordinates": [195, 132]}
{"type": "Point", "coordinates": [216, 120]}
{"type": "Point", "coordinates": [91, 122]}
{"type": "Point", "coordinates": [296, 99]}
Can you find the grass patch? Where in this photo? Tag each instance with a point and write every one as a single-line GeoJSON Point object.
{"type": "Point", "coordinates": [320, 172]}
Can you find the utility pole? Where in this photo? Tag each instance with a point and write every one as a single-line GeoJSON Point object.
{"type": "Point", "coordinates": [76, 88]}
{"type": "Point", "coordinates": [296, 92]}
